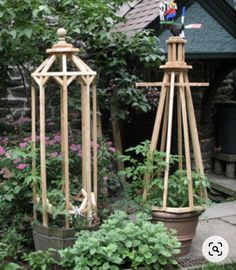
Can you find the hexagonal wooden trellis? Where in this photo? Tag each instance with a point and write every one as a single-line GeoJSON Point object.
{"type": "Point", "coordinates": [71, 68]}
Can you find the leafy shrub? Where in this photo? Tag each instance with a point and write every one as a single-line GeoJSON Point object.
{"type": "Point", "coordinates": [16, 181]}
{"type": "Point", "coordinates": [121, 244]}
{"type": "Point", "coordinates": [11, 246]}
{"type": "Point", "coordinates": [40, 260]}
{"type": "Point", "coordinates": [155, 167]}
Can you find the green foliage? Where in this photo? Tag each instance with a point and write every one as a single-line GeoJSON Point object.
{"type": "Point", "coordinates": [16, 179]}
{"type": "Point", "coordinates": [11, 247]}
{"type": "Point", "coordinates": [40, 260]}
{"type": "Point", "coordinates": [154, 163]}
{"type": "Point", "coordinates": [13, 266]}
{"type": "Point", "coordinates": [120, 244]}
{"type": "Point", "coordinates": [24, 29]}
{"type": "Point", "coordinates": [26, 32]}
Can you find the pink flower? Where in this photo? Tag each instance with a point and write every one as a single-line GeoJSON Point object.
{"type": "Point", "coordinates": [75, 147]}
{"type": "Point", "coordinates": [93, 144]}
{"type": "Point", "coordinates": [21, 166]}
{"type": "Point", "coordinates": [4, 140]}
{"type": "Point", "coordinates": [22, 120]}
{"type": "Point", "coordinates": [2, 150]}
{"type": "Point", "coordinates": [27, 139]}
{"type": "Point", "coordinates": [109, 143]}
{"type": "Point", "coordinates": [5, 173]}
{"type": "Point", "coordinates": [37, 138]}
{"type": "Point", "coordinates": [57, 138]}
{"type": "Point", "coordinates": [23, 144]}
{"type": "Point", "coordinates": [8, 154]}
{"type": "Point", "coordinates": [17, 160]}
{"type": "Point", "coordinates": [54, 154]}
{"type": "Point", "coordinates": [112, 149]}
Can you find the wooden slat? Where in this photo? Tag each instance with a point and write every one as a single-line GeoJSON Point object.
{"type": "Point", "coordinates": [186, 142]}
{"type": "Point", "coordinates": [61, 74]}
{"type": "Point", "coordinates": [61, 82]}
{"type": "Point", "coordinates": [177, 209]}
{"type": "Point", "coordinates": [43, 153]}
{"type": "Point", "coordinates": [165, 122]}
{"type": "Point", "coordinates": [37, 80]}
{"type": "Point", "coordinates": [156, 131]}
{"type": "Point", "coordinates": [95, 173]}
{"type": "Point", "coordinates": [51, 60]}
{"type": "Point", "coordinates": [65, 139]}
{"type": "Point", "coordinates": [58, 80]}
{"type": "Point", "coordinates": [45, 80]}
{"type": "Point", "coordinates": [194, 135]}
{"type": "Point", "coordinates": [168, 142]}
{"type": "Point", "coordinates": [81, 65]}
{"type": "Point", "coordinates": [179, 123]}
{"type": "Point", "coordinates": [156, 84]}
{"type": "Point", "coordinates": [83, 106]}
{"type": "Point", "coordinates": [84, 79]}
{"type": "Point", "coordinates": [33, 128]}
{"type": "Point", "coordinates": [91, 79]}
{"type": "Point", "coordinates": [86, 141]}
{"type": "Point", "coordinates": [38, 69]}
{"type": "Point", "coordinates": [174, 52]}
{"type": "Point", "coordinates": [71, 79]}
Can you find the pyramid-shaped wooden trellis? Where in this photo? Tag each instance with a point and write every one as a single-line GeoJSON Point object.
{"type": "Point", "coordinates": [176, 84]}
{"type": "Point", "coordinates": [70, 68]}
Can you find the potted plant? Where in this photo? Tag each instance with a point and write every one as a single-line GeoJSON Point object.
{"type": "Point", "coordinates": [55, 235]}
{"type": "Point", "coordinates": [185, 222]}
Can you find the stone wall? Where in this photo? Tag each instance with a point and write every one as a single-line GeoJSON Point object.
{"type": "Point", "coordinates": [13, 98]}
{"type": "Point", "coordinates": [207, 130]}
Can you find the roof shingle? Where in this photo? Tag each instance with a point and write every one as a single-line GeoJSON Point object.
{"type": "Point", "coordinates": [139, 16]}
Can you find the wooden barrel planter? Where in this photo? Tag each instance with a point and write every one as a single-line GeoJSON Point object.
{"type": "Point", "coordinates": [53, 237]}
{"type": "Point", "coordinates": [184, 223]}
{"type": "Point", "coordinates": [56, 238]}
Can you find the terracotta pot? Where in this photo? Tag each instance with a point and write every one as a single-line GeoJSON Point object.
{"type": "Point", "coordinates": [184, 223]}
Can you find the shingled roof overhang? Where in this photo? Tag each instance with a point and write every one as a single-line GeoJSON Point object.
{"type": "Point", "coordinates": [216, 39]}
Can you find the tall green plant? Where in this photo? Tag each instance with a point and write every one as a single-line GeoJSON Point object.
{"type": "Point", "coordinates": [177, 183]}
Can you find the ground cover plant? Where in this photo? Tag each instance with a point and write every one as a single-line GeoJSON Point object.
{"type": "Point", "coordinates": [123, 244]}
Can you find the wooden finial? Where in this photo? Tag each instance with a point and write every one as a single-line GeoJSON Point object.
{"type": "Point", "coordinates": [61, 33]}
{"type": "Point", "coordinates": [62, 45]}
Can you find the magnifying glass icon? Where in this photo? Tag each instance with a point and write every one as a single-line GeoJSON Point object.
{"type": "Point", "coordinates": [215, 248]}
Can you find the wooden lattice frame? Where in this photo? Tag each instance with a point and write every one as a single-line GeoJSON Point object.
{"type": "Point", "coordinates": [175, 81]}
{"type": "Point", "coordinates": [87, 78]}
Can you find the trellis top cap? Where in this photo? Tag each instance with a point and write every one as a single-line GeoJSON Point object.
{"type": "Point", "coordinates": [61, 33]}
{"type": "Point", "coordinates": [62, 46]}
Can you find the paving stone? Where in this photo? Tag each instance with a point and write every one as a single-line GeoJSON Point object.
{"type": "Point", "coordinates": [219, 210]}
{"type": "Point", "coordinates": [231, 219]}
{"type": "Point", "coordinates": [209, 228]}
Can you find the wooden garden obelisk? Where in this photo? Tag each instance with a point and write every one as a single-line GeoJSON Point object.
{"type": "Point", "coordinates": [176, 84]}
